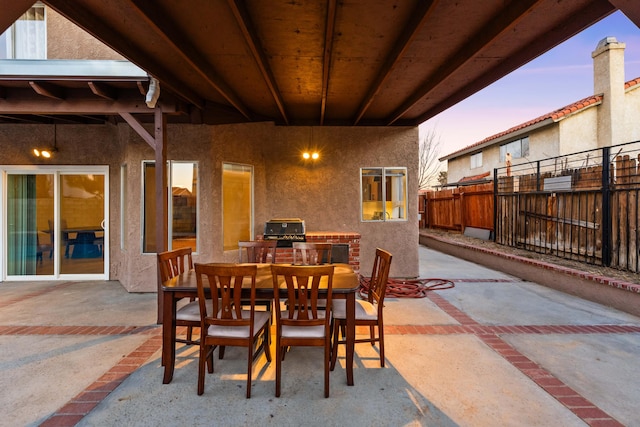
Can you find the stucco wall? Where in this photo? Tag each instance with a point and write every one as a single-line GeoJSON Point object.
{"type": "Point", "coordinates": [65, 40]}
{"type": "Point", "coordinates": [326, 195]}
{"type": "Point", "coordinates": [578, 132]}
{"type": "Point", "coordinates": [631, 131]}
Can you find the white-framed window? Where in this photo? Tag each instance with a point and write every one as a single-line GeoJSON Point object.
{"type": "Point", "coordinates": [237, 204]}
{"type": "Point", "coordinates": [518, 148]}
{"type": "Point", "coordinates": [183, 205]}
{"type": "Point", "coordinates": [27, 37]}
{"type": "Point", "coordinates": [383, 193]}
{"type": "Point", "coordinates": [476, 160]}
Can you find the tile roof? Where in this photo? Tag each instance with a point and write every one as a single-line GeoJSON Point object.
{"type": "Point", "coordinates": [556, 115]}
{"type": "Point", "coordinates": [475, 177]}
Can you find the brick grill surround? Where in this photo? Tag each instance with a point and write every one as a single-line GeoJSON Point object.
{"type": "Point", "coordinates": [285, 255]}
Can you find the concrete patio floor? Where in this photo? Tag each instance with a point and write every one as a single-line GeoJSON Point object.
{"type": "Point", "coordinates": [492, 351]}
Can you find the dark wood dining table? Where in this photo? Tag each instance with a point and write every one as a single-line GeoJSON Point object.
{"type": "Point", "coordinates": [345, 286]}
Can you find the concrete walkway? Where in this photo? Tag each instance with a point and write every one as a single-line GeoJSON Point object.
{"type": "Point", "coordinates": [492, 351]}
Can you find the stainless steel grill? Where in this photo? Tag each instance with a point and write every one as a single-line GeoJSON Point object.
{"type": "Point", "coordinates": [285, 231]}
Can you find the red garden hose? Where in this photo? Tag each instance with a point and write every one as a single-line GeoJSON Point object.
{"type": "Point", "coordinates": [401, 288]}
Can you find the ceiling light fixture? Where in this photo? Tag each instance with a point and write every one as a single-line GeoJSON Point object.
{"type": "Point", "coordinates": [48, 153]}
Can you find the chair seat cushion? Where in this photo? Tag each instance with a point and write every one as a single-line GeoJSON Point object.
{"type": "Point", "coordinates": [191, 311]}
{"type": "Point", "coordinates": [260, 318]}
{"type": "Point", "coordinates": [291, 331]}
{"type": "Point", "coordinates": [303, 331]}
{"type": "Point", "coordinates": [364, 310]}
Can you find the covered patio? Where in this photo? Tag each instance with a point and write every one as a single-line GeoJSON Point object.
{"type": "Point", "coordinates": [456, 357]}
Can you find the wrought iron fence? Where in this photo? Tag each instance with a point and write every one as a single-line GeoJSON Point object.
{"type": "Point", "coordinates": [581, 206]}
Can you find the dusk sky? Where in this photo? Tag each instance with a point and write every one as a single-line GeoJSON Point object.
{"type": "Point", "coordinates": [560, 77]}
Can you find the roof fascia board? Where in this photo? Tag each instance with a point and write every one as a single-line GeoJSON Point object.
{"type": "Point", "coordinates": [70, 69]}
{"type": "Point", "coordinates": [509, 136]}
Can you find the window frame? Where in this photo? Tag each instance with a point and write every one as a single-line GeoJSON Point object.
{"type": "Point", "coordinates": [476, 164]}
{"type": "Point", "coordinates": [504, 149]}
{"type": "Point", "coordinates": [386, 172]}
{"type": "Point", "coordinates": [8, 38]}
{"type": "Point", "coordinates": [170, 180]}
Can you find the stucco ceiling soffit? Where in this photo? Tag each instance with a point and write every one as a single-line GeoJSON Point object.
{"type": "Point", "coordinates": [75, 12]}
{"type": "Point", "coordinates": [253, 42]}
{"type": "Point", "coordinates": [418, 19]}
{"type": "Point", "coordinates": [505, 20]}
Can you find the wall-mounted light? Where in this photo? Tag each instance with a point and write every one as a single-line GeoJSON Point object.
{"type": "Point", "coordinates": [47, 153]}
{"type": "Point", "coordinates": [314, 156]}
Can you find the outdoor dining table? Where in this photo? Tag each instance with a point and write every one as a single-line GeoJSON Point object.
{"type": "Point", "coordinates": [345, 286]}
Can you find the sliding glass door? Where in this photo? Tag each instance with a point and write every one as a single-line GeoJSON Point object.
{"type": "Point", "coordinates": [55, 221]}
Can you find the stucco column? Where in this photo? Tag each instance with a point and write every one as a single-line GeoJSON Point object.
{"type": "Point", "coordinates": [608, 79]}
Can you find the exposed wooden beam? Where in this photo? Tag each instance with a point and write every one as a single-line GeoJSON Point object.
{"type": "Point", "coordinates": [239, 10]}
{"type": "Point", "coordinates": [71, 105]}
{"type": "Point", "coordinates": [102, 90]}
{"type": "Point", "coordinates": [47, 89]}
{"type": "Point", "coordinates": [151, 14]}
{"type": "Point", "coordinates": [561, 32]}
{"type": "Point", "coordinates": [508, 18]}
{"type": "Point", "coordinates": [631, 9]}
{"type": "Point", "coordinates": [11, 11]}
{"type": "Point", "coordinates": [3, 92]}
{"type": "Point", "coordinates": [140, 130]}
{"type": "Point", "coordinates": [29, 119]}
{"type": "Point", "coordinates": [419, 16]}
{"type": "Point", "coordinates": [330, 24]}
{"type": "Point", "coordinates": [75, 12]}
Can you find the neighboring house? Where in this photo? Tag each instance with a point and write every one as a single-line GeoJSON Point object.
{"type": "Point", "coordinates": [98, 191]}
{"type": "Point", "coordinates": [607, 118]}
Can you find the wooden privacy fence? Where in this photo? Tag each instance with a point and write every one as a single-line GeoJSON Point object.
{"type": "Point", "coordinates": [583, 206]}
{"type": "Point", "coordinates": [457, 208]}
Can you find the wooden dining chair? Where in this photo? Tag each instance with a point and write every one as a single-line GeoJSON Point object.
{"type": "Point", "coordinates": [257, 251]}
{"type": "Point", "coordinates": [303, 323]}
{"type": "Point", "coordinates": [308, 253]}
{"type": "Point", "coordinates": [260, 252]}
{"type": "Point", "coordinates": [226, 323]}
{"type": "Point", "coordinates": [172, 263]}
{"type": "Point", "coordinates": [369, 312]}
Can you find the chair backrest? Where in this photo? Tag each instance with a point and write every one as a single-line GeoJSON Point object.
{"type": "Point", "coordinates": [379, 277]}
{"type": "Point", "coordinates": [303, 283]}
{"type": "Point", "coordinates": [226, 280]}
{"type": "Point", "coordinates": [174, 262]}
{"type": "Point", "coordinates": [305, 253]}
{"type": "Point", "coordinates": [257, 251]}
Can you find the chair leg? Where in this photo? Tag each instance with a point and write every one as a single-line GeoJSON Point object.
{"type": "Point", "coordinates": [221, 352]}
{"type": "Point", "coordinates": [334, 345]}
{"type": "Point", "coordinates": [249, 368]}
{"type": "Point", "coordinates": [381, 343]}
{"type": "Point", "coordinates": [372, 335]}
{"type": "Point", "coordinates": [327, 361]}
{"type": "Point", "coordinates": [278, 366]}
{"type": "Point", "coordinates": [201, 361]}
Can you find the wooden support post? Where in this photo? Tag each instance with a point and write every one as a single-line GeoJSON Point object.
{"type": "Point", "coordinates": [160, 134]}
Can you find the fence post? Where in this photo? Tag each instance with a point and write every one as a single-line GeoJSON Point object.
{"type": "Point", "coordinates": [495, 203]}
{"type": "Point", "coordinates": [606, 209]}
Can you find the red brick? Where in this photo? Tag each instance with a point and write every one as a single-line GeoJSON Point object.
{"type": "Point", "coordinates": [62, 421]}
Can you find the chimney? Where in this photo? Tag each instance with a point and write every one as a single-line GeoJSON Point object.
{"type": "Point", "coordinates": [608, 80]}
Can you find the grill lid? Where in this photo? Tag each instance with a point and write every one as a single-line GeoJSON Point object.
{"type": "Point", "coordinates": [284, 227]}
